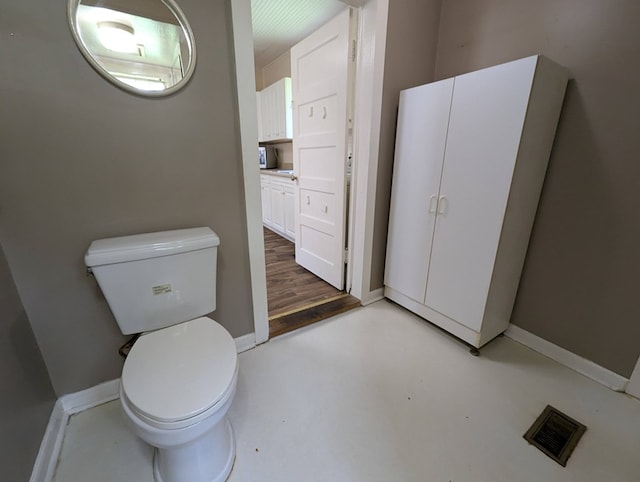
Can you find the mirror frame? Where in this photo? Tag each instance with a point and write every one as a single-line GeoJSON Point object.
{"type": "Point", "coordinates": [72, 6]}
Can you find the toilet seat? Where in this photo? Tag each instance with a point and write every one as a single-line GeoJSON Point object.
{"type": "Point", "coordinates": [176, 376]}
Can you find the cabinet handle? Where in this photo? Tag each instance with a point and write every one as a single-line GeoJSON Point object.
{"type": "Point", "coordinates": [324, 112]}
{"type": "Point", "coordinates": [432, 205]}
{"type": "Point", "coordinates": [311, 111]}
{"type": "Point", "coordinates": [442, 205]}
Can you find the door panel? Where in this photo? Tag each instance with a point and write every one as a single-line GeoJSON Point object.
{"type": "Point", "coordinates": [317, 115]}
{"type": "Point", "coordinates": [487, 116]}
{"type": "Point", "coordinates": [420, 144]}
{"type": "Point", "coordinates": [320, 240]}
{"type": "Point", "coordinates": [317, 207]}
{"type": "Point", "coordinates": [320, 79]}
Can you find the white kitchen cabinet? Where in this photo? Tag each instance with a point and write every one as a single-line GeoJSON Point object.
{"type": "Point", "coordinates": [266, 199]}
{"type": "Point", "coordinates": [259, 108]}
{"type": "Point", "coordinates": [278, 211]}
{"type": "Point", "coordinates": [275, 116]}
{"type": "Point", "coordinates": [471, 155]}
{"type": "Point", "coordinates": [277, 206]}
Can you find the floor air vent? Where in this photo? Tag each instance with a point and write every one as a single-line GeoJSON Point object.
{"type": "Point", "coordinates": [555, 434]}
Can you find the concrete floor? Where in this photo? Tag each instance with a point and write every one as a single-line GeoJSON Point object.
{"type": "Point", "coordinates": [377, 394]}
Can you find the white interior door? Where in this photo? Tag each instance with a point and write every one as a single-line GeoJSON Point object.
{"type": "Point", "coordinates": [320, 66]}
{"type": "Point", "coordinates": [487, 117]}
{"type": "Point", "coordinates": [423, 117]}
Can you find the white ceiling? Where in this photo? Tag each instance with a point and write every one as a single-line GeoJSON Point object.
{"type": "Point", "coordinates": [280, 24]}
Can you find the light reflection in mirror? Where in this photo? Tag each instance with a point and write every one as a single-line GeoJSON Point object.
{"type": "Point", "coordinates": [143, 46]}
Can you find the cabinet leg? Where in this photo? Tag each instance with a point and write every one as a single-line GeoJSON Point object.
{"type": "Point", "coordinates": [474, 351]}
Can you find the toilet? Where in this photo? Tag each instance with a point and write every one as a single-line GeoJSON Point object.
{"type": "Point", "coordinates": [180, 376]}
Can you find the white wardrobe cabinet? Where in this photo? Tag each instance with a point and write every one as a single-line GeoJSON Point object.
{"type": "Point", "coordinates": [471, 156]}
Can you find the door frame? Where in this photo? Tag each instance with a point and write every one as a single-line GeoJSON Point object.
{"type": "Point", "coordinates": [248, 126]}
{"type": "Point", "coordinates": [371, 40]}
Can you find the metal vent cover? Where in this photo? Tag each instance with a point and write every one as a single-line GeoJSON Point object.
{"type": "Point", "coordinates": [555, 434]}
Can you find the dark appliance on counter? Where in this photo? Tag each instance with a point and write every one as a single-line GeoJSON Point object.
{"type": "Point", "coordinates": [267, 157]}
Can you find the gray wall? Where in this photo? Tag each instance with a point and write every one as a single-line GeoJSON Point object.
{"type": "Point", "coordinates": [579, 287]}
{"type": "Point", "coordinates": [82, 160]}
{"type": "Point", "coordinates": [412, 33]}
{"type": "Point", "coordinates": [26, 394]}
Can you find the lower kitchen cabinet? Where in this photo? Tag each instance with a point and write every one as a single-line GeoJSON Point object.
{"type": "Point", "coordinates": [278, 211]}
{"type": "Point", "coordinates": [266, 203]}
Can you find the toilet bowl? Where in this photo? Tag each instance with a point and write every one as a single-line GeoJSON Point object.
{"type": "Point", "coordinates": [177, 385]}
{"type": "Point", "coordinates": [180, 376]}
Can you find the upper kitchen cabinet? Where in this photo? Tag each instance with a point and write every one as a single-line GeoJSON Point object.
{"type": "Point", "coordinates": [470, 161]}
{"type": "Point", "coordinates": [275, 114]}
{"type": "Point", "coordinates": [259, 108]}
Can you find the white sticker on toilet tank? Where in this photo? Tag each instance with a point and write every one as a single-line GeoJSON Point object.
{"type": "Point", "coordinates": [161, 289]}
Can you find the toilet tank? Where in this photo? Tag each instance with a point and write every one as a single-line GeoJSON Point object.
{"type": "Point", "coordinates": [155, 280]}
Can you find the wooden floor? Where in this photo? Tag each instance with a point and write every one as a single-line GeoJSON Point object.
{"type": "Point", "coordinates": [297, 297]}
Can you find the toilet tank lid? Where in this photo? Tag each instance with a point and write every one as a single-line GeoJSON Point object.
{"type": "Point", "coordinates": [149, 245]}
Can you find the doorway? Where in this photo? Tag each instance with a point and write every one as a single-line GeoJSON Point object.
{"type": "Point", "coordinates": [368, 101]}
{"type": "Point", "coordinates": [295, 296]}
{"type": "Point", "coordinates": [306, 278]}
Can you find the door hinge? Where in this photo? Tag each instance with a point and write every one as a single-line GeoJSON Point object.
{"type": "Point", "coordinates": [345, 258]}
{"type": "Point", "coordinates": [353, 50]}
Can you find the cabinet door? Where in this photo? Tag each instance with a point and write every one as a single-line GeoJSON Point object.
{"type": "Point", "coordinates": [420, 143]}
{"type": "Point", "coordinates": [266, 102]}
{"type": "Point", "coordinates": [485, 125]}
{"type": "Point", "coordinates": [275, 111]}
{"type": "Point", "coordinates": [287, 107]}
{"type": "Point", "coordinates": [259, 107]}
{"type": "Point", "coordinates": [279, 127]}
{"type": "Point", "coordinates": [277, 207]}
{"type": "Point", "coordinates": [289, 212]}
{"type": "Point", "coordinates": [266, 201]}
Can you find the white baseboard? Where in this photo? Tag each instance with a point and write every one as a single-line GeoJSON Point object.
{"type": "Point", "coordinates": [246, 342]}
{"type": "Point", "coordinates": [91, 397]}
{"type": "Point", "coordinates": [372, 296]}
{"type": "Point", "coordinates": [45, 464]}
{"type": "Point", "coordinates": [571, 360]}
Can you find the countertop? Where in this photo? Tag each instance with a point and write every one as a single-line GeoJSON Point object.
{"type": "Point", "coordinates": [277, 172]}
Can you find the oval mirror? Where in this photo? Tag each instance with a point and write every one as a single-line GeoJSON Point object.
{"type": "Point", "coordinates": [142, 46]}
